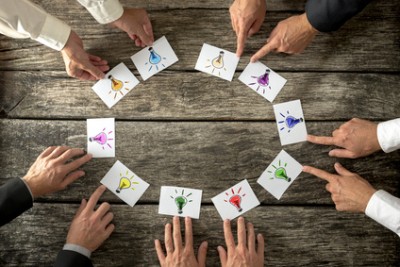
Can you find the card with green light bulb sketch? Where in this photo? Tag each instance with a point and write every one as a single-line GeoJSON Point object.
{"type": "Point", "coordinates": [117, 83]}
{"type": "Point", "coordinates": [290, 122]}
{"type": "Point", "coordinates": [280, 174]}
{"type": "Point", "coordinates": [216, 61]}
{"type": "Point", "coordinates": [180, 201]}
{"type": "Point", "coordinates": [235, 201]}
{"type": "Point", "coordinates": [151, 60]}
{"type": "Point", "coordinates": [124, 183]}
{"type": "Point", "coordinates": [101, 137]}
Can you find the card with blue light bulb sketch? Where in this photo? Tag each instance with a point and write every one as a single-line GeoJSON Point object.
{"type": "Point", "coordinates": [124, 183]}
{"type": "Point", "coordinates": [262, 80]}
{"type": "Point", "coordinates": [235, 201]}
{"type": "Point", "coordinates": [180, 201]}
{"type": "Point", "coordinates": [101, 137]}
{"type": "Point", "coordinates": [290, 122]}
{"type": "Point", "coordinates": [280, 174]}
{"type": "Point", "coordinates": [217, 62]}
{"type": "Point", "coordinates": [117, 83]}
{"type": "Point", "coordinates": [151, 60]}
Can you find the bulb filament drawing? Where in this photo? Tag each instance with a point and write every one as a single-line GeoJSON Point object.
{"type": "Point", "coordinates": [125, 182]}
{"type": "Point", "coordinates": [235, 199]}
{"type": "Point", "coordinates": [280, 172]}
{"type": "Point", "coordinates": [262, 81]}
{"type": "Point", "coordinates": [217, 63]}
{"type": "Point", "coordinates": [116, 86]}
{"type": "Point", "coordinates": [181, 200]}
{"type": "Point", "coordinates": [155, 59]}
{"type": "Point", "coordinates": [102, 138]}
{"type": "Point", "coordinates": [289, 121]}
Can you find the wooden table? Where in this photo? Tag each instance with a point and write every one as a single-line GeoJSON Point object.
{"type": "Point", "coordinates": [186, 128]}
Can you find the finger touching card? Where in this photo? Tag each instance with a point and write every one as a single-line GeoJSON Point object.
{"type": "Point", "coordinates": [101, 137]}
{"type": "Point", "coordinates": [235, 201]}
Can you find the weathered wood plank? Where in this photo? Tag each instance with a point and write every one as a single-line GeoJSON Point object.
{"type": "Point", "coordinates": [313, 236]}
{"type": "Point", "coordinates": [197, 96]}
{"type": "Point", "coordinates": [207, 155]}
{"type": "Point", "coordinates": [367, 43]}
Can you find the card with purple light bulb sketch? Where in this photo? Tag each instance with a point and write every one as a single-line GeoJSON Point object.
{"type": "Point", "coordinates": [124, 183]}
{"type": "Point", "coordinates": [262, 80]}
{"type": "Point", "coordinates": [101, 137]}
{"type": "Point", "coordinates": [235, 201]}
{"type": "Point", "coordinates": [151, 60]}
{"type": "Point", "coordinates": [290, 122]}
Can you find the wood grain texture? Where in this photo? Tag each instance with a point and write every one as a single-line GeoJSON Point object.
{"type": "Point", "coordinates": [211, 156]}
{"type": "Point", "coordinates": [295, 236]}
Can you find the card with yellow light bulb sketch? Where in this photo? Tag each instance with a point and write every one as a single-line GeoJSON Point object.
{"type": "Point", "coordinates": [217, 62]}
{"type": "Point", "coordinates": [117, 83]}
{"type": "Point", "coordinates": [124, 183]}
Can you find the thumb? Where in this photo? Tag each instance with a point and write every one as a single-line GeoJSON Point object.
{"type": "Point", "coordinates": [202, 254]}
{"type": "Point", "coordinates": [222, 255]}
{"type": "Point", "coordinates": [141, 33]}
{"type": "Point", "coordinates": [341, 170]}
{"type": "Point", "coordinates": [81, 207]}
{"type": "Point", "coordinates": [266, 49]}
{"type": "Point", "coordinates": [94, 71]}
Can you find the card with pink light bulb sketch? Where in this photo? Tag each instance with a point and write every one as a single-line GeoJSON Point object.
{"type": "Point", "coordinates": [262, 80]}
{"type": "Point", "coordinates": [235, 201]}
{"type": "Point", "coordinates": [101, 137]}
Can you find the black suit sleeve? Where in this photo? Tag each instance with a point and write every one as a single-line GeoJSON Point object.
{"type": "Point", "coordinates": [330, 15]}
{"type": "Point", "coordinates": [15, 198]}
{"type": "Point", "coordinates": [68, 258]}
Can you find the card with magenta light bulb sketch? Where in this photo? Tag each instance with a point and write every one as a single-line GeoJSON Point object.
{"type": "Point", "coordinates": [153, 59]}
{"type": "Point", "coordinates": [235, 201]}
{"type": "Point", "coordinates": [124, 183]}
{"type": "Point", "coordinates": [180, 201]}
{"type": "Point", "coordinates": [262, 80]}
{"type": "Point", "coordinates": [101, 137]}
{"type": "Point", "coordinates": [290, 122]}
{"type": "Point", "coordinates": [280, 174]}
{"type": "Point", "coordinates": [117, 83]}
{"type": "Point", "coordinates": [218, 62]}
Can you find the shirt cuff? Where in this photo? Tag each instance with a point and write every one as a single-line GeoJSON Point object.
{"type": "Point", "coordinates": [27, 186]}
{"type": "Point", "coordinates": [78, 249]}
{"type": "Point", "coordinates": [385, 209]}
{"type": "Point", "coordinates": [54, 34]}
{"type": "Point", "coordinates": [105, 11]}
{"type": "Point", "coordinates": [389, 135]}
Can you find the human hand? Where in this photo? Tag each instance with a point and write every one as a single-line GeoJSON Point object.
{"type": "Point", "coordinates": [136, 23]}
{"type": "Point", "coordinates": [349, 191]}
{"type": "Point", "coordinates": [290, 36]}
{"type": "Point", "coordinates": [181, 256]}
{"type": "Point", "coordinates": [247, 16]}
{"type": "Point", "coordinates": [51, 172]}
{"type": "Point", "coordinates": [357, 138]}
{"type": "Point", "coordinates": [80, 64]}
{"type": "Point", "coordinates": [242, 255]}
{"type": "Point", "coordinates": [90, 227]}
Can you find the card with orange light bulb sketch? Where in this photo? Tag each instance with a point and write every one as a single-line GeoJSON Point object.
{"type": "Point", "coordinates": [235, 201]}
{"type": "Point", "coordinates": [117, 83]}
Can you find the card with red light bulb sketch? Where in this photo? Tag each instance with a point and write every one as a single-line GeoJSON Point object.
{"type": "Point", "coordinates": [101, 137]}
{"type": "Point", "coordinates": [235, 201]}
{"type": "Point", "coordinates": [117, 83]}
{"type": "Point", "coordinates": [124, 183]}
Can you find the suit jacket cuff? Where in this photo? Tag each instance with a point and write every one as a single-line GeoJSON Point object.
{"type": "Point", "coordinates": [68, 258]}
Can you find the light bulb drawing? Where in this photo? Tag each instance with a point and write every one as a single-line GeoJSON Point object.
{"type": "Point", "coordinates": [235, 199]}
{"type": "Point", "coordinates": [117, 86]}
{"type": "Point", "coordinates": [181, 200]}
{"type": "Point", "coordinates": [280, 173]}
{"type": "Point", "coordinates": [289, 121]}
{"type": "Point", "coordinates": [262, 81]}
{"type": "Point", "coordinates": [154, 59]}
{"type": "Point", "coordinates": [217, 63]}
{"type": "Point", "coordinates": [102, 138]}
{"type": "Point", "coordinates": [125, 182]}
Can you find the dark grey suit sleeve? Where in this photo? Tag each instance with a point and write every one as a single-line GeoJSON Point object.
{"type": "Point", "coordinates": [15, 198]}
{"type": "Point", "coordinates": [330, 15]}
{"type": "Point", "coordinates": [68, 258]}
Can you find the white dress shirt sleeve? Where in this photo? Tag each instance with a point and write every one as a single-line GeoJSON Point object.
{"type": "Point", "coordinates": [104, 11]}
{"type": "Point", "coordinates": [77, 248]}
{"type": "Point", "coordinates": [389, 135]}
{"type": "Point", "coordinates": [385, 209]}
{"type": "Point", "coordinates": [23, 19]}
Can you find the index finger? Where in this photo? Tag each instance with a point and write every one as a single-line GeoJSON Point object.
{"type": "Point", "coordinates": [241, 39]}
{"type": "Point", "coordinates": [320, 140]}
{"type": "Point", "coordinates": [319, 173]}
{"type": "Point", "coordinates": [95, 197]}
{"type": "Point", "coordinates": [229, 241]}
{"type": "Point", "coordinates": [148, 29]}
{"type": "Point", "coordinates": [266, 49]}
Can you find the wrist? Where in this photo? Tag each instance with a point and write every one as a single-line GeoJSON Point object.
{"type": "Point", "coordinates": [307, 25]}
{"type": "Point", "coordinates": [367, 198]}
{"type": "Point", "coordinates": [31, 186]}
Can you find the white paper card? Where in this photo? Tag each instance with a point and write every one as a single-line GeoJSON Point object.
{"type": "Point", "coordinates": [101, 137]}
{"type": "Point", "coordinates": [117, 83]}
{"type": "Point", "coordinates": [290, 122]}
{"type": "Point", "coordinates": [124, 183]}
{"type": "Point", "coordinates": [280, 174]}
{"type": "Point", "coordinates": [235, 201]}
{"type": "Point", "coordinates": [153, 59]}
{"type": "Point", "coordinates": [180, 201]}
{"type": "Point", "coordinates": [217, 62]}
{"type": "Point", "coordinates": [262, 80]}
